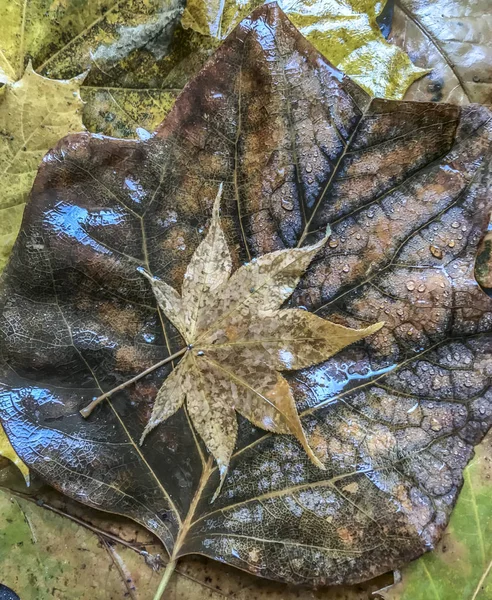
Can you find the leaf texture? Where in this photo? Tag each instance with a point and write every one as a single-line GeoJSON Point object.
{"type": "Point", "coordinates": [460, 567]}
{"type": "Point", "coordinates": [406, 190]}
{"type": "Point", "coordinates": [35, 112]}
{"type": "Point", "coordinates": [122, 45]}
{"type": "Point", "coordinates": [346, 33]}
{"type": "Point", "coordinates": [236, 337]}
{"type": "Point", "coordinates": [454, 39]}
{"type": "Point", "coordinates": [6, 451]}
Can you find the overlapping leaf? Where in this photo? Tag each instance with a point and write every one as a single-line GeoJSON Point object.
{"type": "Point", "coordinates": [122, 44]}
{"type": "Point", "coordinates": [406, 189]}
{"type": "Point", "coordinates": [454, 39]}
{"type": "Point", "coordinates": [346, 33]}
{"type": "Point", "coordinates": [238, 341]}
{"type": "Point", "coordinates": [35, 112]}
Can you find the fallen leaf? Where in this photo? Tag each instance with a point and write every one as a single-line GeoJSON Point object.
{"type": "Point", "coordinates": [238, 341]}
{"type": "Point", "coordinates": [6, 451]}
{"type": "Point", "coordinates": [196, 577]}
{"type": "Point", "coordinates": [454, 39]}
{"type": "Point", "coordinates": [122, 45]}
{"type": "Point", "coordinates": [35, 112]}
{"type": "Point", "coordinates": [394, 417]}
{"type": "Point", "coordinates": [461, 565]}
{"type": "Point", "coordinates": [347, 33]}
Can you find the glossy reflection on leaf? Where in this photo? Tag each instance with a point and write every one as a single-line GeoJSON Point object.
{"type": "Point", "coordinates": [405, 188]}
{"type": "Point", "coordinates": [238, 342]}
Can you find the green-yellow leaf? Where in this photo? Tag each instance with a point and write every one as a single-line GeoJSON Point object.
{"type": "Point", "coordinates": [8, 452]}
{"type": "Point", "coordinates": [345, 31]}
{"type": "Point", "coordinates": [460, 568]}
{"type": "Point", "coordinates": [35, 112]}
{"type": "Point", "coordinates": [122, 44]}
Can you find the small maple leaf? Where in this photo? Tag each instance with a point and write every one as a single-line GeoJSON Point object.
{"type": "Point", "coordinates": [238, 342]}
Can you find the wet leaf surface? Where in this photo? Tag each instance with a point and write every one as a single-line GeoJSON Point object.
{"type": "Point", "coordinates": [121, 44]}
{"type": "Point", "coordinates": [237, 341]}
{"type": "Point", "coordinates": [460, 567]}
{"type": "Point", "coordinates": [346, 33]}
{"type": "Point", "coordinates": [454, 39]}
{"type": "Point", "coordinates": [197, 578]}
{"type": "Point", "coordinates": [406, 189]}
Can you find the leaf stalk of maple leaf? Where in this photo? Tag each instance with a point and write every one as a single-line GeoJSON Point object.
{"type": "Point", "coordinates": [85, 412]}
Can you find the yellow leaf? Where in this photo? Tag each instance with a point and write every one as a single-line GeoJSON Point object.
{"type": "Point", "coordinates": [346, 32]}
{"type": "Point", "coordinates": [35, 112]}
{"type": "Point", "coordinates": [8, 452]}
{"type": "Point", "coordinates": [239, 340]}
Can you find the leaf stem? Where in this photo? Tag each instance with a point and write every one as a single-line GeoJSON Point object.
{"type": "Point", "coordinates": [85, 412]}
{"type": "Point", "coordinates": [169, 570]}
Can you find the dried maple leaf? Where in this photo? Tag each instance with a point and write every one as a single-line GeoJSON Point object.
{"type": "Point", "coordinates": [239, 341]}
{"type": "Point", "coordinates": [406, 189]}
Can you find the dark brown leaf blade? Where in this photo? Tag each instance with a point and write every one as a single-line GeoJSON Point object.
{"type": "Point", "coordinates": [406, 189]}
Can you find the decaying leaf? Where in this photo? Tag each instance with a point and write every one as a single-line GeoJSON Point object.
{"type": "Point", "coordinates": [394, 417]}
{"type": "Point", "coordinates": [122, 44]}
{"type": "Point", "coordinates": [197, 578]}
{"type": "Point", "coordinates": [239, 341]}
{"type": "Point", "coordinates": [35, 112]}
{"type": "Point", "coordinates": [8, 452]}
{"type": "Point", "coordinates": [43, 543]}
{"type": "Point", "coordinates": [346, 33]}
{"type": "Point", "coordinates": [460, 567]}
{"type": "Point", "coordinates": [454, 39]}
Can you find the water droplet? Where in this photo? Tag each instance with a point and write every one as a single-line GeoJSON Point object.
{"type": "Point", "coordinates": [287, 204]}
{"type": "Point", "coordinates": [370, 214]}
{"type": "Point", "coordinates": [421, 288]}
{"type": "Point", "coordinates": [451, 243]}
{"type": "Point", "coordinates": [309, 168]}
{"type": "Point", "coordinates": [436, 251]}
{"type": "Point", "coordinates": [200, 353]}
{"type": "Point", "coordinates": [346, 269]}
{"type": "Point", "coordinates": [333, 243]}
{"type": "Point", "coordinates": [410, 285]}
{"type": "Point", "coordinates": [357, 237]}
{"type": "Point", "coordinates": [455, 225]}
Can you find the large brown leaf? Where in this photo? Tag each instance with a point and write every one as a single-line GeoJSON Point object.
{"type": "Point", "coordinates": [406, 190]}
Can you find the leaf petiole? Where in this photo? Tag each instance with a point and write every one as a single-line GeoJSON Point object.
{"type": "Point", "coordinates": [85, 412]}
{"type": "Point", "coordinates": [169, 570]}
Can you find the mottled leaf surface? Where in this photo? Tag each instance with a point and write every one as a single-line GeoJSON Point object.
{"type": "Point", "coordinates": [238, 340]}
{"type": "Point", "coordinates": [347, 33]}
{"type": "Point", "coordinates": [121, 44]}
{"type": "Point", "coordinates": [454, 39]}
{"type": "Point", "coordinates": [406, 190]}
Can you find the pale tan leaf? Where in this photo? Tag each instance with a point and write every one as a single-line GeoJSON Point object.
{"type": "Point", "coordinates": [168, 299]}
{"type": "Point", "coordinates": [207, 271]}
{"type": "Point", "coordinates": [237, 339]}
{"type": "Point", "coordinates": [170, 397]}
{"type": "Point", "coordinates": [261, 285]}
{"type": "Point", "coordinates": [212, 413]}
{"type": "Point", "coordinates": [285, 340]}
{"type": "Point", "coordinates": [264, 397]}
